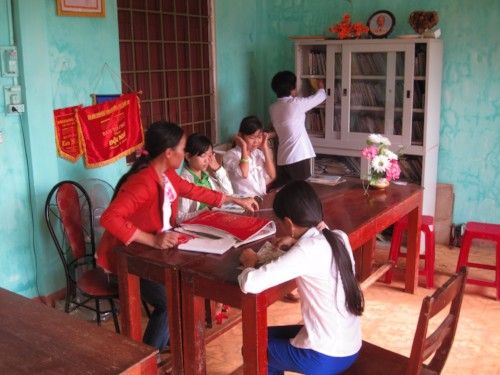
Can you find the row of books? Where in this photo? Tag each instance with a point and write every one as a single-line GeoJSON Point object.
{"type": "Point", "coordinates": [373, 63]}
{"type": "Point", "coordinates": [411, 168]}
{"type": "Point", "coordinates": [368, 93]}
{"type": "Point", "coordinates": [317, 62]}
{"type": "Point", "coordinates": [315, 122]}
{"type": "Point", "coordinates": [337, 165]}
{"type": "Point", "coordinates": [362, 123]}
{"type": "Point", "coordinates": [418, 94]}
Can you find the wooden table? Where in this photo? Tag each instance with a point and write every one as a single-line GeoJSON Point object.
{"type": "Point", "coordinates": [346, 207]}
{"type": "Point", "coordinates": [162, 266]}
{"type": "Point", "coordinates": [37, 339]}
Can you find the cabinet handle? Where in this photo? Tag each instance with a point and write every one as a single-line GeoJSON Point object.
{"type": "Point", "coordinates": [328, 92]}
{"type": "Point", "coordinates": [344, 92]}
{"type": "Point", "coordinates": [407, 94]}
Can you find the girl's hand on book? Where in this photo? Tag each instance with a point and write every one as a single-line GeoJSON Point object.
{"type": "Point", "coordinates": [285, 243]}
{"type": "Point", "coordinates": [248, 258]}
{"type": "Point", "coordinates": [249, 204]}
{"type": "Point", "coordinates": [166, 240]}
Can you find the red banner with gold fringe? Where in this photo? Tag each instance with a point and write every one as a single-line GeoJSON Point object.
{"type": "Point", "coordinates": [67, 135]}
{"type": "Point", "coordinates": [110, 130]}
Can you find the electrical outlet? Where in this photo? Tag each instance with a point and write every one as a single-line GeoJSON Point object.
{"type": "Point", "coordinates": [19, 108]}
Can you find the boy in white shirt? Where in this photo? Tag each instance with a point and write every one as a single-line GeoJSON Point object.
{"type": "Point", "coordinates": [250, 164]}
{"type": "Point", "coordinates": [288, 115]}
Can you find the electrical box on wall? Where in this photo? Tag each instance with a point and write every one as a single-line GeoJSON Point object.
{"type": "Point", "coordinates": [13, 100]}
{"type": "Point", "coordinates": [8, 60]}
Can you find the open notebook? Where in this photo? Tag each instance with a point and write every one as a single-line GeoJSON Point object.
{"type": "Point", "coordinates": [216, 231]}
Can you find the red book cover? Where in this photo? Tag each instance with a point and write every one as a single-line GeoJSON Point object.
{"type": "Point", "coordinates": [240, 226]}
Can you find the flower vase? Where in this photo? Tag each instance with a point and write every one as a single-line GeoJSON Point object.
{"type": "Point", "coordinates": [380, 183]}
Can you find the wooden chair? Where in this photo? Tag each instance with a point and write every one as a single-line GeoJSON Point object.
{"type": "Point", "coordinates": [375, 360]}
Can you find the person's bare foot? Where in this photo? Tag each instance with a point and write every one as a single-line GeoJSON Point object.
{"type": "Point", "coordinates": [290, 298]}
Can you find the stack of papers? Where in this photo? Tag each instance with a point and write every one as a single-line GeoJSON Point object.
{"type": "Point", "coordinates": [325, 179]}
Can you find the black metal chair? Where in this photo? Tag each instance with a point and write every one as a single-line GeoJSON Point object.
{"type": "Point", "coordinates": [65, 206]}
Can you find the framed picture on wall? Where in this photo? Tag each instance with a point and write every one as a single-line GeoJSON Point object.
{"type": "Point", "coordinates": [381, 23]}
{"type": "Point", "coordinates": [81, 8]}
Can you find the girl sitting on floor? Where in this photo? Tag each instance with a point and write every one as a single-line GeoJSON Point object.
{"type": "Point", "coordinates": [202, 169]}
{"type": "Point", "coordinates": [250, 164]}
{"type": "Point", "coordinates": [144, 208]}
{"type": "Point", "coordinates": [322, 263]}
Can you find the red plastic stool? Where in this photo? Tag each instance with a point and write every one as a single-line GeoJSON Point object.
{"type": "Point", "coordinates": [483, 231]}
{"type": "Point", "coordinates": [427, 226]}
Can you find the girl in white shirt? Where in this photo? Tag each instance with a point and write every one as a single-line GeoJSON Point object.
{"type": "Point", "coordinates": [250, 164]}
{"type": "Point", "coordinates": [202, 169]}
{"type": "Point", "coordinates": [321, 261]}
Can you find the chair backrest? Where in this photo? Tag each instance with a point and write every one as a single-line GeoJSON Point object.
{"type": "Point", "coordinates": [438, 342]}
{"type": "Point", "coordinates": [66, 203]}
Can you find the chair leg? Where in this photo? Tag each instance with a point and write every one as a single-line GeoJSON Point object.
{"type": "Point", "coordinates": [208, 313]}
{"type": "Point", "coordinates": [463, 256]}
{"type": "Point", "coordinates": [98, 311]}
{"type": "Point", "coordinates": [397, 237]}
{"type": "Point", "coordinates": [430, 255]}
{"type": "Point", "coordinates": [497, 260]}
{"type": "Point", "coordinates": [115, 315]}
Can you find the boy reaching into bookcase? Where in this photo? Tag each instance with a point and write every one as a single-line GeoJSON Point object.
{"type": "Point", "coordinates": [322, 263]}
{"type": "Point", "coordinates": [288, 115]}
{"type": "Point", "coordinates": [202, 169]}
{"type": "Point", "coordinates": [250, 164]}
{"type": "Point", "coordinates": [144, 208]}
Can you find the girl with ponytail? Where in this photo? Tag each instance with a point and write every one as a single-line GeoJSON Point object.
{"type": "Point", "coordinates": [322, 263]}
{"type": "Point", "coordinates": [144, 209]}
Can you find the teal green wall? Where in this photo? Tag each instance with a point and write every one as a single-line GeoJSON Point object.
{"type": "Point", "coordinates": [253, 39]}
{"type": "Point", "coordinates": [61, 59]}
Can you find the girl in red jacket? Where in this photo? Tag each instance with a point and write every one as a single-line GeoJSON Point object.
{"type": "Point", "coordinates": [144, 208]}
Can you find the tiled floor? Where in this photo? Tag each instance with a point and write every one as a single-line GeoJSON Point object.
{"type": "Point", "coordinates": [390, 319]}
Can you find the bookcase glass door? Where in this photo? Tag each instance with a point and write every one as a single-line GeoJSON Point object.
{"type": "Point", "coordinates": [375, 93]}
{"type": "Point", "coordinates": [368, 89]}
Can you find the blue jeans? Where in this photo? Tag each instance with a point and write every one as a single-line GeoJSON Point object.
{"type": "Point", "coordinates": [282, 356]}
{"type": "Point", "coordinates": [157, 333]}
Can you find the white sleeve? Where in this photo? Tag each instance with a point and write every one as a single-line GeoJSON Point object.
{"type": "Point", "coordinates": [287, 267]}
{"type": "Point", "coordinates": [223, 181]}
{"type": "Point", "coordinates": [312, 101]}
{"type": "Point", "coordinates": [231, 162]}
{"type": "Point", "coordinates": [186, 206]}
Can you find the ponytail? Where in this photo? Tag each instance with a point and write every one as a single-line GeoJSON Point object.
{"type": "Point", "coordinates": [354, 299]}
{"type": "Point", "coordinates": [160, 136]}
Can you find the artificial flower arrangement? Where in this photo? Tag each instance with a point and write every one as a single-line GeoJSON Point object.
{"type": "Point", "coordinates": [345, 29]}
{"type": "Point", "coordinates": [382, 163]}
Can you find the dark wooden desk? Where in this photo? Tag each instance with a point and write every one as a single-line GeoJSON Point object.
{"type": "Point", "coordinates": [346, 207]}
{"type": "Point", "coordinates": [37, 339]}
{"type": "Point", "coordinates": [162, 266]}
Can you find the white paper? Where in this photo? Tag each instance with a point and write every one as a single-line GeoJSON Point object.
{"type": "Point", "coordinates": [208, 245]}
{"type": "Point", "coordinates": [325, 179]}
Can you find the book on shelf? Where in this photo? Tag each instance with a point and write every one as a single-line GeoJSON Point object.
{"type": "Point", "coordinates": [218, 231]}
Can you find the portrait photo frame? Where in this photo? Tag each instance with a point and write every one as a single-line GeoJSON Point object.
{"type": "Point", "coordinates": [381, 23]}
{"type": "Point", "coordinates": [81, 8]}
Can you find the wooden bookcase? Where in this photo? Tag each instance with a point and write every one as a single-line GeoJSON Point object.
{"type": "Point", "coordinates": [386, 86]}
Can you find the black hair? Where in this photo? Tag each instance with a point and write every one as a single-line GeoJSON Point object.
{"type": "Point", "coordinates": [250, 125]}
{"type": "Point", "coordinates": [299, 202]}
{"type": "Point", "coordinates": [283, 83]}
{"type": "Point", "coordinates": [197, 144]}
{"type": "Point", "coordinates": [160, 136]}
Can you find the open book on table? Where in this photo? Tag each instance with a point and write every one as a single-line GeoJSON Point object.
{"type": "Point", "coordinates": [325, 180]}
{"type": "Point", "coordinates": [217, 231]}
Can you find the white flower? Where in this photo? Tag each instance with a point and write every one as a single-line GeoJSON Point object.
{"type": "Point", "coordinates": [380, 163]}
{"type": "Point", "coordinates": [390, 155]}
{"type": "Point", "coordinates": [378, 139]}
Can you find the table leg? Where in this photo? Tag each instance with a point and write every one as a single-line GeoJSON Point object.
{"type": "Point", "coordinates": [172, 288]}
{"type": "Point", "coordinates": [367, 251]}
{"type": "Point", "coordinates": [254, 325]}
{"type": "Point", "coordinates": [130, 300]}
{"type": "Point", "coordinates": [413, 252]}
{"type": "Point", "coordinates": [193, 329]}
